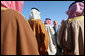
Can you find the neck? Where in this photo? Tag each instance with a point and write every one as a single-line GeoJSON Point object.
{"type": "Point", "coordinates": [56, 26]}
{"type": "Point", "coordinates": [47, 24]}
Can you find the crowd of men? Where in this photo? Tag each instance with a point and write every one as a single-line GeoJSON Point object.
{"type": "Point", "coordinates": [33, 37]}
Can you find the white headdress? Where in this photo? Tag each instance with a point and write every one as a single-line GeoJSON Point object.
{"type": "Point", "coordinates": [34, 14]}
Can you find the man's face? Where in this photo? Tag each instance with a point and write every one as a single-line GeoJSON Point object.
{"type": "Point", "coordinates": [48, 22]}
{"type": "Point", "coordinates": [76, 9]}
{"type": "Point", "coordinates": [55, 23]}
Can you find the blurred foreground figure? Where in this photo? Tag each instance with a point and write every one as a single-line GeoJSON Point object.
{"type": "Point", "coordinates": [72, 30]}
{"type": "Point", "coordinates": [52, 45]}
{"type": "Point", "coordinates": [16, 34]}
{"type": "Point", "coordinates": [39, 31]}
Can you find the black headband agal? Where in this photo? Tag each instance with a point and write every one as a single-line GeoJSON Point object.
{"type": "Point", "coordinates": [74, 3]}
{"type": "Point", "coordinates": [35, 8]}
{"type": "Point", "coordinates": [47, 19]}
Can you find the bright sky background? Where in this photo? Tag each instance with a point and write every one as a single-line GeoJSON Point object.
{"type": "Point", "coordinates": [55, 10]}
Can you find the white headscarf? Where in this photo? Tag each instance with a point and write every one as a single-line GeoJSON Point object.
{"type": "Point", "coordinates": [34, 14]}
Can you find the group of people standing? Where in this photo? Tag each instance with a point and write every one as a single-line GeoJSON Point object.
{"type": "Point", "coordinates": [33, 37]}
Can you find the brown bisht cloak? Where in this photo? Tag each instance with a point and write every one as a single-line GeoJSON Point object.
{"type": "Point", "coordinates": [72, 36]}
{"type": "Point", "coordinates": [41, 35]}
{"type": "Point", "coordinates": [17, 37]}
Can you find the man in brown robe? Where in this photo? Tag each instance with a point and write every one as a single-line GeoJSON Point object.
{"type": "Point", "coordinates": [17, 37]}
{"type": "Point", "coordinates": [71, 33]}
{"type": "Point", "coordinates": [39, 31]}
